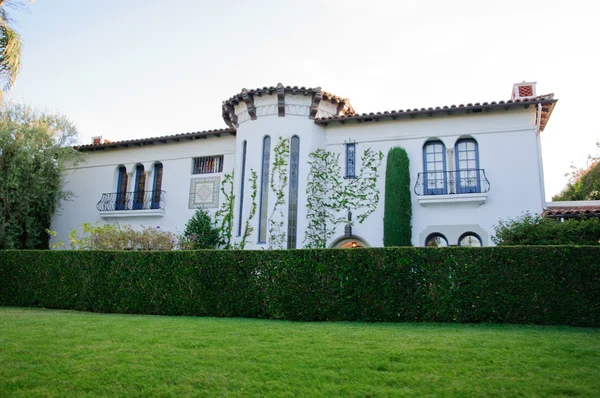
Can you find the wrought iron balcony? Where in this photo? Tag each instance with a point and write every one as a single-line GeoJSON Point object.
{"type": "Point", "coordinates": [138, 200]}
{"type": "Point", "coordinates": [452, 182]}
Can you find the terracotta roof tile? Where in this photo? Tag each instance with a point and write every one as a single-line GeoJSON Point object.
{"type": "Point", "coordinates": [547, 100]}
{"type": "Point", "coordinates": [571, 211]}
{"type": "Point", "coordinates": [152, 140]}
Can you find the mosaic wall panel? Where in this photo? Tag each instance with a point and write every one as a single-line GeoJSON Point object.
{"type": "Point", "coordinates": [204, 192]}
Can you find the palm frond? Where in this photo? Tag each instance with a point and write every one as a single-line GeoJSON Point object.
{"type": "Point", "coordinates": [10, 52]}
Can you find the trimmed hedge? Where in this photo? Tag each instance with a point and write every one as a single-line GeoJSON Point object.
{"type": "Point", "coordinates": [538, 285]}
{"type": "Point", "coordinates": [397, 217]}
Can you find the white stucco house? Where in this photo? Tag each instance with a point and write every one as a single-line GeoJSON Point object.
{"type": "Point", "coordinates": [470, 165]}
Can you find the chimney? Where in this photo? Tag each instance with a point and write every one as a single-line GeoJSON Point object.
{"type": "Point", "coordinates": [97, 140]}
{"type": "Point", "coordinates": [523, 90]}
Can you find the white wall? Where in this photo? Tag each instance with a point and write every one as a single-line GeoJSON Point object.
{"type": "Point", "coordinates": [508, 151]}
{"type": "Point", "coordinates": [98, 175]}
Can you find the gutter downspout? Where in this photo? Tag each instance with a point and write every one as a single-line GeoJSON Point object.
{"type": "Point", "coordinates": [539, 153]}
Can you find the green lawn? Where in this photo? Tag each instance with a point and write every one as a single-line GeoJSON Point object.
{"type": "Point", "coordinates": [63, 353]}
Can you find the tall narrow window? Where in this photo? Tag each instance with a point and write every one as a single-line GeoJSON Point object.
{"type": "Point", "coordinates": [121, 199]}
{"type": "Point", "coordinates": [243, 176]}
{"type": "Point", "coordinates": [293, 199]}
{"type": "Point", "coordinates": [467, 166]}
{"type": "Point", "coordinates": [157, 185]}
{"type": "Point", "coordinates": [140, 186]}
{"type": "Point", "coordinates": [351, 160]}
{"type": "Point", "coordinates": [434, 163]}
{"type": "Point", "coordinates": [264, 190]}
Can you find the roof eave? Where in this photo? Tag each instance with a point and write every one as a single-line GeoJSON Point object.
{"type": "Point", "coordinates": [449, 110]}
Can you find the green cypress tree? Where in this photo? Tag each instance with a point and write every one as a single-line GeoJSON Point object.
{"type": "Point", "coordinates": [397, 217]}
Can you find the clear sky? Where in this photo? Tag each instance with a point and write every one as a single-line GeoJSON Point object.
{"type": "Point", "coordinates": [138, 68]}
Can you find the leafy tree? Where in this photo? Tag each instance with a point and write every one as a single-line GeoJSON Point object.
{"type": "Point", "coordinates": [584, 183]}
{"type": "Point", "coordinates": [397, 229]}
{"type": "Point", "coordinates": [34, 147]}
{"type": "Point", "coordinates": [534, 230]}
{"type": "Point", "coordinates": [200, 232]}
{"type": "Point", "coordinates": [10, 45]}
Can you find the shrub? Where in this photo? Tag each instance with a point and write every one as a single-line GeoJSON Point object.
{"type": "Point", "coordinates": [397, 229]}
{"type": "Point", "coordinates": [534, 230]}
{"type": "Point", "coordinates": [539, 285]}
{"type": "Point", "coordinates": [117, 237]}
{"type": "Point", "coordinates": [200, 232]}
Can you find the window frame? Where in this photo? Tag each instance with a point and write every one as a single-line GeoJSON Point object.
{"type": "Point", "coordinates": [443, 190]}
{"type": "Point", "coordinates": [199, 168]}
{"type": "Point", "coordinates": [264, 189]}
{"type": "Point", "coordinates": [350, 166]}
{"type": "Point", "coordinates": [436, 235]}
{"type": "Point", "coordinates": [473, 234]}
{"type": "Point", "coordinates": [157, 185]}
{"type": "Point", "coordinates": [467, 174]}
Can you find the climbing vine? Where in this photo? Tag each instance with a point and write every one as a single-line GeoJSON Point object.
{"type": "Point", "coordinates": [248, 229]}
{"type": "Point", "coordinates": [329, 196]}
{"type": "Point", "coordinates": [224, 216]}
{"type": "Point", "coordinates": [321, 196]}
{"type": "Point", "coordinates": [278, 183]}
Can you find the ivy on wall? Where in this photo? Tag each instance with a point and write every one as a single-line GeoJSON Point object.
{"type": "Point", "coordinates": [397, 214]}
{"type": "Point", "coordinates": [248, 229]}
{"type": "Point", "coordinates": [329, 196]}
{"type": "Point", "coordinates": [224, 216]}
{"type": "Point", "coordinates": [278, 183]}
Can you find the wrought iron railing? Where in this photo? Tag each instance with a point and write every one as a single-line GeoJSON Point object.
{"type": "Point", "coordinates": [452, 182]}
{"type": "Point", "coordinates": [137, 200]}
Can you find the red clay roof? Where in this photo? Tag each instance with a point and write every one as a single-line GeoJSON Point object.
{"type": "Point", "coordinates": [237, 98]}
{"type": "Point", "coordinates": [152, 140]}
{"type": "Point", "coordinates": [547, 102]}
{"type": "Point", "coordinates": [572, 211]}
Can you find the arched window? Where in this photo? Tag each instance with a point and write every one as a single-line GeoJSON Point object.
{"type": "Point", "coordinates": [293, 197]}
{"type": "Point", "coordinates": [436, 240]}
{"type": "Point", "coordinates": [157, 185]}
{"type": "Point", "coordinates": [467, 166]}
{"type": "Point", "coordinates": [140, 186]}
{"type": "Point", "coordinates": [469, 239]}
{"type": "Point", "coordinates": [434, 165]}
{"type": "Point", "coordinates": [264, 190]}
{"type": "Point", "coordinates": [243, 176]}
{"type": "Point", "coordinates": [121, 197]}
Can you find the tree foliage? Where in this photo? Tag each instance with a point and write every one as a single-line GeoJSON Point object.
{"type": "Point", "coordinates": [534, 230]}
{"type": "Point", "coordinates": [200, 232]}
{"type": "Point", "coordinates": [10, 45]}
{"type": "Point", "coordinates": [397, 229]}
{"type": "Point", "coordinates": [34, 147]}
{"type": "Point", "coordinates": [584, 183]}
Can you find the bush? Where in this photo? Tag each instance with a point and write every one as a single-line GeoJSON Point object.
{"type": "Point", "coordinates": [539, 285]}
{"type": "Point", "coordinates": [534, 230]}
{"type": "Point", "coordinates": [200, 232]}
{"type": "Point", "coordinates": [397, 229]}
{"type": "Point", "coordinates": [117, 237]}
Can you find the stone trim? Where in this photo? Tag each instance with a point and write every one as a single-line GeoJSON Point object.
{"type": "Point", "coordinates": [316, 100]}
{"type": "Point", "coordinates": [281, 100]}
{"type": "Point", "coordinates": [249, 100]}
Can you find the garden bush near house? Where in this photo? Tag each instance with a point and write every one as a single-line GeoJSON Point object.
{"type": "Point", "coordinates": [121, 237]}
{"type": "Point", "coordinates": [557, 285]}
{"type": "Point", "coordinates": [200, 232]}
{"type": "Point", "coordinates": [397, 219]}
{"type": "Point", "coordinates": [531, 229]}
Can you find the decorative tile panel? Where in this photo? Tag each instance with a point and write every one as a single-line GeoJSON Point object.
{"type": "Point", "coordinates": [204, 192]}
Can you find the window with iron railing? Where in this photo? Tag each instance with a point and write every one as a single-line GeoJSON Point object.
{"type": "Point", "coordinates": [208, 165]}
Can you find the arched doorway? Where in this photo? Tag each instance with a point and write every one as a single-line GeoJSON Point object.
{"type": "Point", "coordinates": [350, 242]}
